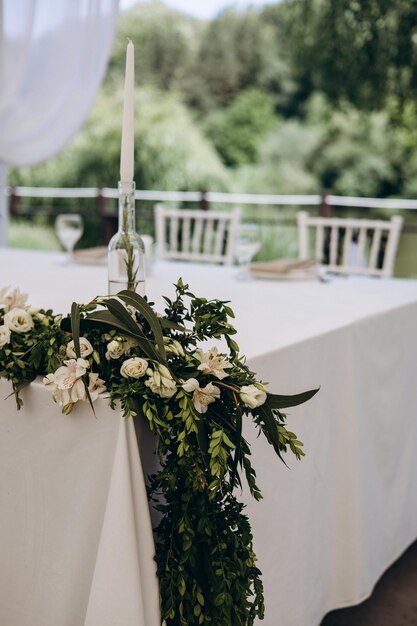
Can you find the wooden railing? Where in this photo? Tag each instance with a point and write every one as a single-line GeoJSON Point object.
{"type": "Point", "coordinates": [104, 199]}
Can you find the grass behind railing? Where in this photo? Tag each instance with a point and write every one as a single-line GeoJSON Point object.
{"type": "Point", "coordinates": [25, 234]}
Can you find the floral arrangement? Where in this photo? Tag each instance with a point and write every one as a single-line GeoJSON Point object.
{"type": "Point", "coordinates": [195, 398]}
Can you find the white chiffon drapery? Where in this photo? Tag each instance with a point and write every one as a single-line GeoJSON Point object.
{"type": "Point", "coordinates": [53, 56]}
{"type": "Point", "coordinates": [53, 59]}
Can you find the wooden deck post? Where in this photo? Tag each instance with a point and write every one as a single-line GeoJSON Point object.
{"type": "Point", "coordinates": [325, 208]}
{"type": "Point", "coordinates": [107, 220]}
{"type": "Point", "coordinates": [204, 203]}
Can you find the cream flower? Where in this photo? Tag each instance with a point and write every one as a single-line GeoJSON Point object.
{"type": "Point", "coordinates": [212, 362]}
{"type": "Point", "coordinates": [15, 300]}
{"type": "Point", "coordinates": [172, 346]}
{"type": "Point", "coordinates": [85, 348]}
{"type": "Point", "coordinates": [252, 396]}
{"type": "Point", "coordinates": [66, 383]}
{"type": "Point", "coordinates": [18, 320]}
{"type": "Point", "coordinates": [160, 381]}
{"type": "Point", "coordinates": [41, 317]}
{"type": "Point", "coordinates": [3, 294]}
{"type": "Point", "coordinates": [202, 396]}
{"type": "Point", "coordinates": [131, 310]}
{"type": "Point", "coordinates": [134, 367]}
{"type": "Point", "coordinates": [4, 335]}
{"type": "Point", "coordinates": [116, 348]}
{"type": "Point", "coordinates": [96, 386]}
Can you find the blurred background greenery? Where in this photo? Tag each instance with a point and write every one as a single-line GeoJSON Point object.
{"type": "Point", "coordinates": [294, 97]}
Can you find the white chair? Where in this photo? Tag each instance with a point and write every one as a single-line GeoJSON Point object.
{"type": "Point", "coordinates": [350, 246]}
{"type": "Point", "coordinates": [196, 235]}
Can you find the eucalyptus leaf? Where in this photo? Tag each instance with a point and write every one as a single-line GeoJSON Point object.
{"type": "Point", "coordinates": [75, 327]}
{"type": "Point", "coordinates": [276, 401]}
{"type": "Point", "coordinates": [146, 311]}
{"type": "Point", "coordinates": [172, 325]}
{"type": "Point", "coordinates": [269, 426]}
{"type": "Point", "coordinates": [237, 455]}
{"type": "Point", "coordinates": [110, 321]}
{"type": "Point", "coordinates": [118, 310]}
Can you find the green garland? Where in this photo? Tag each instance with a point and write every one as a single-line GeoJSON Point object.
{"type": "Point", "coordinates": [195, 401]}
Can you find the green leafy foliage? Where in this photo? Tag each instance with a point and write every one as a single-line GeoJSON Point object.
{"type": "Point", "coordinates": [206, 564]}
{"type": "Point", "coordinates": [33, 352]}
{"type": "Point", "coordinates": [163, 160]}
{"type": "Point", "coordinates": [195, 402]}
{"type": "Point", "coordinates": [238, 130]}
{"type": "Point", "coordinates": [295, 97]}
{"type": "Point", "coordinates": [362, 52]}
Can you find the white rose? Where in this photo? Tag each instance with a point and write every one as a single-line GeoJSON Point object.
{"type": "Point", "coordinates": [18, 320]}
{"type": "Point", "coordinates": [4, 335]}
{"type": "Point", "coordinates": [116, 348]}
{"type": "Point", "coordinates": [85, 348]}
{"type": "Point", "coordinates": [252, 396]}
{"type": "Point", "coordinates": [134, 367]}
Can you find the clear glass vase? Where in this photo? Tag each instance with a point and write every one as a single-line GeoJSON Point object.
{"type": "Point", "coordinates": [126, 252]}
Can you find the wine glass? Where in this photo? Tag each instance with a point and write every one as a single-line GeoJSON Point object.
{"type": "Point", "coordinates": [69, 228]}
{"type": "Point", "coordinates": [247, 244]}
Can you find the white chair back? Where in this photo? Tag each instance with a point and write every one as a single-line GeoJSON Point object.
{"type": "Point", "coordinates": [196, 235]}
{"type": "Point", "coordinates": [353, 245]}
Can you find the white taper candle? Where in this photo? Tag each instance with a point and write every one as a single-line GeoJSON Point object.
{"type": "Point", "coordinates": [128, 128]}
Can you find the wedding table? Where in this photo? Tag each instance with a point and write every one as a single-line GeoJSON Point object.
{"type": "Point", "coordinates": [75, 537]}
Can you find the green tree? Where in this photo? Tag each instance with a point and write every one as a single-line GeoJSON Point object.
{"type": "Point", "coordinates": [170, 151]}
{"type": "Point", "coordinates": [360, 51]}
{"type": "Point", "coordinates": [348, 151]}
{"type": "Point", "coordinates": [238, 130]}
{"type": "Point", "coordinates": [228, 59]}
{"type": "Point", "coordinates": [165, 45]}
{"type": "Point", "coordinates": [284, 162]}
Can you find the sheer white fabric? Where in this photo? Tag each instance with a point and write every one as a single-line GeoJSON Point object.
{"type": "Point", "coordinates": [53, 56]}
{"type": "Point", "coordinates": [4, 214]}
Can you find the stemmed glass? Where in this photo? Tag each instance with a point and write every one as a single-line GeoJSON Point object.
{"type": "Point", "coordinates": [69, 228]}
{"type": "Point", "coordinates": [247, 244]}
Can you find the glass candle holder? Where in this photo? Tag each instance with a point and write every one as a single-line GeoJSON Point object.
{"type": "Point", "coordinates": [126, 252]}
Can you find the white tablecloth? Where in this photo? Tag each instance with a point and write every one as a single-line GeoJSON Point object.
{"type": "Point", "coordinates": [329, 526]}
{"type": "Point", "coordinates": [76, 540]}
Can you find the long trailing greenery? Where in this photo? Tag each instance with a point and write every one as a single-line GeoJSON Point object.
{"type": "Point", "coordinates": [195, 398]}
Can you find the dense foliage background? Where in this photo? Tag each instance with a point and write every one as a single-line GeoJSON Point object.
{"type": "Point", "coordinates": [295, 97]}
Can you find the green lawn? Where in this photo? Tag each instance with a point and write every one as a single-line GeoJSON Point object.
{"type": "Point", "coordinates": [32, 236]}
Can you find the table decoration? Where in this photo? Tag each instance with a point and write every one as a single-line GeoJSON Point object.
{"type": "Point", "coordinates": [126, 252]}
{"type": "Point", "coordinates": [195, 400]}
